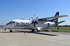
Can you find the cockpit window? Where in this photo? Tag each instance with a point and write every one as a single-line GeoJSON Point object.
{"type": "Point", "coordinates": [11, 22]}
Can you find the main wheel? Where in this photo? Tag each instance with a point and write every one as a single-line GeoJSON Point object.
{"type": "Point", "coordinates": [38, 30]}
{"type": "Point", "coordinates": [33, 30]}
{"type": "Point", "coordinates": [11, 30]}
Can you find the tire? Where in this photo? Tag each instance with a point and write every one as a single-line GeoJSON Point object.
{"type": "Point", "coordinates": [33, 30]}
{"type": "Point", "coordinates": [11, 31]}
{"type": "Point", "coordinates": [38, 30]}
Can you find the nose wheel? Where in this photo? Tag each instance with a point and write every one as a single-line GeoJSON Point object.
{"type": "Point", "coordinates": [33, 30]}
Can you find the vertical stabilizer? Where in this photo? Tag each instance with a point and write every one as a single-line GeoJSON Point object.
{"type": "Point", "coordinates": [56, 19]}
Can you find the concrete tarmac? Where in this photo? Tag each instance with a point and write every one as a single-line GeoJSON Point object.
{"type": "Point", "coordinates": [26, 38]}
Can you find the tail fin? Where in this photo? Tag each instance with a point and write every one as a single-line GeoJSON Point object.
{"type": "Point", "coordinates": [56, 19]}
{"type": "Point", "coordinates": [57, 14]}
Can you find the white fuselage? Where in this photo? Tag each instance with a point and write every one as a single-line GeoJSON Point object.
{"type": "Point", "coordinates": [27, 24]}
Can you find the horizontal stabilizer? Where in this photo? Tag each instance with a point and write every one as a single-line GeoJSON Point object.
{"type": "Point", "coordinates": [61, 22]}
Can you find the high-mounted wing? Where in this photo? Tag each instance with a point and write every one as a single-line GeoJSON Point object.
{"type": "Point", "coordinates": [49, 18]}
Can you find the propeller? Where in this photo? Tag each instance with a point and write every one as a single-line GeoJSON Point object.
{"type": "Point", "coordinates": [34, 20]}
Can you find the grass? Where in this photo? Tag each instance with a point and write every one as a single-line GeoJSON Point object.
{"type": "Point", "coordinates": [61, 29]}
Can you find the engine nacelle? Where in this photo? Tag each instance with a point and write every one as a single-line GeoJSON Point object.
{"type": "Point", "coordinates": [49, 24]}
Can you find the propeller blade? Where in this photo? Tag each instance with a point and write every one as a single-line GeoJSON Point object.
{"type": "Point", "coordinates": [31, 17]}
{"type": "Point", "coordinates": [36, 17]}
{"type": "Point", "coordinates": [34, 20]}
{"type": "Point", "coordinates": [34, 24]}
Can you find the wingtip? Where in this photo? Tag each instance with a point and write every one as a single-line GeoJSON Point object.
{"type": "Point", "coordinates": [66, 15]}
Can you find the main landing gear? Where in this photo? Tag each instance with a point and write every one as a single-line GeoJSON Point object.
{"type": "Point", "coordinates": [38, 30]}
{"type": "Point", "coordinates": [10, 30]}
{"type": "Point", "coordinates": [33, 30]}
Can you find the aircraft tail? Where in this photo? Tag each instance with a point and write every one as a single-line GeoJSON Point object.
{"type": "Point", "coordinates": [56, 19]}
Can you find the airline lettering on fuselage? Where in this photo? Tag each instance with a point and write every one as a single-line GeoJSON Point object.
{"type": "Point", "coordinates": [22, 24]}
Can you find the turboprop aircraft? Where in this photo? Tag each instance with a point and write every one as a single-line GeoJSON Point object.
{"type": "Point", "coordinates": [35, 24]}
